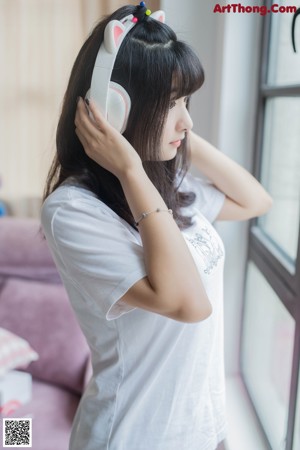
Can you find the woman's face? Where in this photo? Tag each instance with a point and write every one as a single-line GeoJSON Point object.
{"type": "Point", "coordinates": [177, 124]}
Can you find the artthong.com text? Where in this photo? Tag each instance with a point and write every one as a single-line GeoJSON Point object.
{"type": "Point", "coordinates": [256, 9]}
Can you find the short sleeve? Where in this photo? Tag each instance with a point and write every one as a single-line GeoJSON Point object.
{"type": "Point", "coordinates": [209, 200]}
{"type": "Point", "coordinates": [97, 254]}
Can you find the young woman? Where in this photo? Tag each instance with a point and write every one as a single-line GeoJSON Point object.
{"type": "Point", "coordinates": [130, 231]}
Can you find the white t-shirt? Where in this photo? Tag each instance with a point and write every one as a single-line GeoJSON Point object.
{"type": "Point", "coordinates": [157, 384]}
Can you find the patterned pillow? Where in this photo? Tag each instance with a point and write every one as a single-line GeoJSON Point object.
{"type": "Point", "coordinates": [15, 352]}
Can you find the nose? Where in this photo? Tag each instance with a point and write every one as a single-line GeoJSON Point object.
{"type": "Point", "coordinates": [184, 122]}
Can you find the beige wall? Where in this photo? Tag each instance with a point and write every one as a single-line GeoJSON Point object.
{"type": "Point", "coordinates": [39, 40]}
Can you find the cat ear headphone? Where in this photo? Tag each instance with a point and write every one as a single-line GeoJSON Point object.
{"type": "Point", "coordinates": [110, 97]}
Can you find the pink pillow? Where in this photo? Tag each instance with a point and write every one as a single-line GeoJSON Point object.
{"type": "Point", "coordinates": [46, 320]}
{"type": "Point", "coordinates": [15, 352]}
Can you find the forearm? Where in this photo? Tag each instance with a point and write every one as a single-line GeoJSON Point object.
{"type": "Point", "coordinates": [170, 267]}
{"type": "Point", "coordinates": [228, 176]}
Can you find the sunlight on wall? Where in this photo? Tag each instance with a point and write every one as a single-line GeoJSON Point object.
{"type": "Point", "coordinates": [39, 40]}
{"type": "Point", "coordinates": [42, 45]}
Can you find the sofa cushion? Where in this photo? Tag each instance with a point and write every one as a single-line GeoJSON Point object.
{"type": "Point", "coordinates": [15, 352]}
{"type": "Point", "coordinates": [24, 251]}
{"type": "Point", "coordinates": [41, 313]}
{"type": "Point", "coordinates": [52, 410]}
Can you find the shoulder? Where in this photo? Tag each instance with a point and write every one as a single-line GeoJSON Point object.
{"type": "Point", "coordinates": [73, 208]}
{"type": "Point", "coordinates": [68, 194]}
{"type": "Point", "coordinates": [72, 199]}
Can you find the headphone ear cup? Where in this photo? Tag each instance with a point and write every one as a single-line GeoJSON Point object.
{"type": "Point", "coordinates": [118, 106]}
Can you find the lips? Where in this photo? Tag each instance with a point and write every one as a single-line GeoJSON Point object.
{"type": "Point", "coordinates": [176, 143]}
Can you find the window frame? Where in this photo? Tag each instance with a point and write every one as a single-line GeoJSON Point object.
{"type": "Point", "coordinates": [283, 276]}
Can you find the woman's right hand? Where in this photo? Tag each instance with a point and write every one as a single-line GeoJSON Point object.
{"type": "Point", "coordinates": [102, 142]}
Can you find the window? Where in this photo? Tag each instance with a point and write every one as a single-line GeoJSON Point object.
{"type": "Point", "coordinates": [296, 443]}
{"type": "Point", "coordinates": [267, 355]}
{"type": "Point", "coordinates": [271, 323]}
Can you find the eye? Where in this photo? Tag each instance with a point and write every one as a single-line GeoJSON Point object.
{"type": "Point", "coordinates": [173, 102]}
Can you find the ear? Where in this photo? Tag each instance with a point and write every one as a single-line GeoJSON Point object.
{"type": "Point", "coordinates": [112, 34]}
{"type": "Point", "coordinates": [159, 15]}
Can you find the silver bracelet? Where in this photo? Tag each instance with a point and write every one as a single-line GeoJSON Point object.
{"type": "Point", "coordinates": [146, 214]}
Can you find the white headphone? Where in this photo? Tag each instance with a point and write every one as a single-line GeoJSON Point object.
{"type": "Point", "coordinates": [111, 98]}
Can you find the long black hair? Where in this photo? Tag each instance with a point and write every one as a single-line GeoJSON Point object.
{"type": "Point", "coordinates": [151, 62]}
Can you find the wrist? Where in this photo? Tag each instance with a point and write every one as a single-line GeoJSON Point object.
{"type": "Point", "coordinates": [131, 172]}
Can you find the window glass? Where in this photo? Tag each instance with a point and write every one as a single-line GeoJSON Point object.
{"type": "Point", "coordinates": [267, 350]}
{"type": "Point", "coordinates": [284, 63]}
{"type": "Point", "coordinates": [281, 171]}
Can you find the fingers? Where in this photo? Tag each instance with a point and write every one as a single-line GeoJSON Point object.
{"type": "Point", "coordinates": [85, 130]}
{"type": "Point", "coordinates": [82, 138]}
{"type": "Point", "coordinates": [97, 115]}
{"type": "Point", "coordinates": [90, 120]}
{"type": "Point", "coordinates": [90, 130]}
{"type": "Point", "coordinates": [82, 115]}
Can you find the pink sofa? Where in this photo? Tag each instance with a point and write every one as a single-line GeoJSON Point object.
{"type": "Point", "coordinates": [34, 306]}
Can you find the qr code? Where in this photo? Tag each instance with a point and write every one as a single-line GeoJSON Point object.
{"type": "Point", "coordinates": [17, 432]}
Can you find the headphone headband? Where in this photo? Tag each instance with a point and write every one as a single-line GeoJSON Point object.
{"type": "Point", "coordinates": [114, 35]}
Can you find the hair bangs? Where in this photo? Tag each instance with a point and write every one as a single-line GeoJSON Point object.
{"type": "Point", "coordinates": [188, 75]}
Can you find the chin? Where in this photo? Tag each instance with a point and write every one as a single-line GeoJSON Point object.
{"type": "Point", "coordinates": [167, 156]}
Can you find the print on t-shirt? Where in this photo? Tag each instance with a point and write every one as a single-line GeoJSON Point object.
{"type": "Point", "coordinates": [208, 247]}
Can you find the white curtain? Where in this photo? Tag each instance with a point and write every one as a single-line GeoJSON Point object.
{"type": "Point", "coordinates": [39, 40]}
